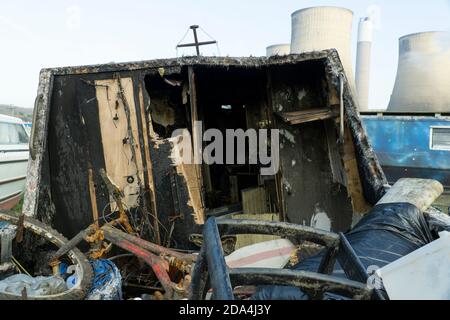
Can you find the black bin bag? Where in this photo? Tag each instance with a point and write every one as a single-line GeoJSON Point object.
{"type": "Point", "coordinates": [387, 233]}
{"type": "Point", "coordinates": [437, 221]}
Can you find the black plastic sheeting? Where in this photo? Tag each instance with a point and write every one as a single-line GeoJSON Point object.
{"type": "Point", "coordinates": [437, 221]}
{"type": "Point", "coordinates": [387, 233]}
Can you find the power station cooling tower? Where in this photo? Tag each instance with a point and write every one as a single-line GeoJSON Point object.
{"type": "Point", "coordinates": [320, 28]}
{"type": "Point", "coordinates": [362, 74]}
{"type": "Point", "coordinates": [423, 75]}
{"type": "Point", "coordinates": [278, 50]}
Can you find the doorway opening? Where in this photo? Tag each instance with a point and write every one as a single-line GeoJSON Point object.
{"type": "Point", "coordinates": [236, 101]}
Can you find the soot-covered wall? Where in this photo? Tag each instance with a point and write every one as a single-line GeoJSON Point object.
{"type": "Point", "coordinates": [308, 187]}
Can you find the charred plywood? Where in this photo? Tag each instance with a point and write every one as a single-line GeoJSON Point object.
{"type": "Point", "coordinates": [74, 127]}
{"type": "Point", "coordinates": [176, 186]}
{"type": "Point", "coordinates": [84, 137]}
{"type": "Point", "coordinates": [122, 163]}
{"type": "Point", "coordinates": [178, 212]}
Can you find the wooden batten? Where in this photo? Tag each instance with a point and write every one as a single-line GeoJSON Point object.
{"type": "Point", "coordinates": [193, 172]}
{"type": "Point", "coordinates": [308, 115]}
{"type": "Point", "coordinates": [352, 178]}
{"type": "Point", "coordinates": [354, 185]}
{"type": "Point", "coordinates": [93, 196]}
{"type": "Point", "coordinates": [149, 166]}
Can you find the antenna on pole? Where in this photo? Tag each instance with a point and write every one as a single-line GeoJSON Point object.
{"type": "Point", "coordinates": [196, 43]}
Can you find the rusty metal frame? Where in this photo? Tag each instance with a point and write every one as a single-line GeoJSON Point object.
{"type": "Point", "coordinates": [210, 270]}
{"type": "Point", "coordinates": [116, 237]}
{"type": "Point", "coordinates": [152, 254]}
{"type": "Point", "coordinates": [314, 284]}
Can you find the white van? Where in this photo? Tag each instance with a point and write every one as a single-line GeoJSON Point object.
{"type": "Point", "coordinates": [14, 153]}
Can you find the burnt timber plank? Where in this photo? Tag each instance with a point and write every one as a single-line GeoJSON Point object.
{"type": "Point", "coordinates": [308, 115]}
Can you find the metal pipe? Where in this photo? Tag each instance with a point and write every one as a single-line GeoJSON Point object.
{"type": "Point", "coordinates": [149, 258]}
{"type": "Point", "coordinates": [353, 267]}
{"type": "Point", "coordinates": [217, 268]}
{"type": "Point", "coordinates": [329, 260]}
{"type": "Point", "coordinates": [72, 243]}
{"type": "Point", "coordinates": [350, 262]}
{"type": "Point", "coordinates": [198, 286]}
{"type": "Point", "coordinates": [312, 283]}
{"type": "Point", "coordinates": [283, 229]}
{"type": "Point", "coordinates": [154, 248]}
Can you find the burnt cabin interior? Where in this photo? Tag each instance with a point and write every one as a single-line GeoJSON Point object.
{"type": "Point", "coordinates": [88, 130]}
{"type": "Point", "coordinates": [235, 101]}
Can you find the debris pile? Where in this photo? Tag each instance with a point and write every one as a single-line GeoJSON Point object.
{"type": "Point", "coordinates": [133, 268]}
{"type": "Point", "coordinates": [106, 171]}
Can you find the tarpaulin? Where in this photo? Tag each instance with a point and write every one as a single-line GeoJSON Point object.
{"type": "Point", "coordinates": [437, 221]}
{"type": "Point", "coordinates": [34, 286]}
{"type": "Point", "coordinates": [107, 283]}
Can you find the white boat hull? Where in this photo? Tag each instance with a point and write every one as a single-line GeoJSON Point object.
{"type": "Point", "coordinates": [14, 153]}
{"type": "Point", "coordinates": [13, 168]}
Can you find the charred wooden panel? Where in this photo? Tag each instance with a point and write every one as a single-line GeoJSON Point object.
{"type": "Point", "coordinates": [73, 118]}
{"type": "Point", "coordinates": [172, 197]}
{"type": "Point", "coordinates": [62, 177]}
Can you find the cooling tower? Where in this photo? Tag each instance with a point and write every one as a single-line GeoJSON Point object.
{"type": "Point", "coordinates": [362, 74]}
{"type": "Point", "coordinates": [423, 74]}
{"type": "Point", "coordinates": [278, 50]}
{"type": "Point", "coordinates": [320, 28]}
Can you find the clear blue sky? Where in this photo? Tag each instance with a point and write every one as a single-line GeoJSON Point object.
{"type": "Point", "coordinates": [49, 33]}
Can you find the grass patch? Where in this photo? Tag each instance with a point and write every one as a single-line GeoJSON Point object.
{"type": "Point", "coordinates": [18, 207]}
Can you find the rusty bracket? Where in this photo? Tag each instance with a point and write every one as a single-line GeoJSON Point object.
{"type": "Point", "coordinates": [120, 239]}
{"type": "Point", "coordinates": [20, 229]}
{"type": "Point", "coordinates": [117, 195]}
{"type": "Point", "coordinates": [157, 257]}
{"type": "Point", "coordinates": [154, 248]}
{"type": "Point", "coordinates": [72, 243]}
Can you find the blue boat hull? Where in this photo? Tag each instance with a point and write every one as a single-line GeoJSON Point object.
{"type": "Point", "coordinates": [402, 145]}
